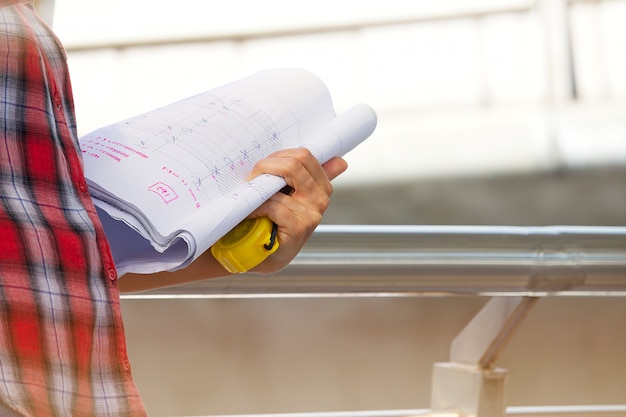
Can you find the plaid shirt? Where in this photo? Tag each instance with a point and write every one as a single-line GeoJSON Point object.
{"type": "Point", "coordinates": [62, 345]}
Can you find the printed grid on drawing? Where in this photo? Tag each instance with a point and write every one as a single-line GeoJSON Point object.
{"type": "Point", "coordinates": [237, 136]}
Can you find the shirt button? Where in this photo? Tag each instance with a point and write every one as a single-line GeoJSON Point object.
{"type": "Point", "coordinates": [126, 364]}
{"type": "Point", "coordinates": [112, 274]}
{"type": "Point", "coordinates": [82, 186]}
{"type": "Point", "coordinates": [57, 98]}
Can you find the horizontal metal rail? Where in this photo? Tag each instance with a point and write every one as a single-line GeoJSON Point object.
{"type": "Point", "coordinates": [532, 411]}
{"type": "Point", "coordinates": [348, 24]}
{"type": "Point", "coordinates": [605, 410]}
{"type": "Point", "coordinates": [357, 261]}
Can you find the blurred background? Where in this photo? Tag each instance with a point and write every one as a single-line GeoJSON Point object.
{"type": "Point", "coordinates": [508, 112]}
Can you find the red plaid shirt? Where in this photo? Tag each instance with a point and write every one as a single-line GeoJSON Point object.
{"type": "Point", "coordinates": [62, 345]}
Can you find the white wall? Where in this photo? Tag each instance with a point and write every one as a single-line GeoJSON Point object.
{"type": "Point", "coordinates": [460, 87]}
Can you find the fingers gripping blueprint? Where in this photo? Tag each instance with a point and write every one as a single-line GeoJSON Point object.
{"type": "Point", "coordinates": [169, 183]}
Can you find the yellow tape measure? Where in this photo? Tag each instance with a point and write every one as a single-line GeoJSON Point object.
{"type": "Point", "coordinates": [247, 245]}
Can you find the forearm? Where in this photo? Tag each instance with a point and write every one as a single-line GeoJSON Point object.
{"type": "Point", "coordinates": [204, 267]}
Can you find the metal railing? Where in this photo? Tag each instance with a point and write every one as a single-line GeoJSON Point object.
{"type": "Point", "coordinates": [534, 411]}
{"type": "Point", "coordinates": [437, 261]}
{"type": "Point", "coordinates": [515, 266]}
{"type": "Point", "coordinates": [347, 22]}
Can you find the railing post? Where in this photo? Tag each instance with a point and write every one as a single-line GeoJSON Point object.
{"type": "Point", "coordinates": [469, 383]}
